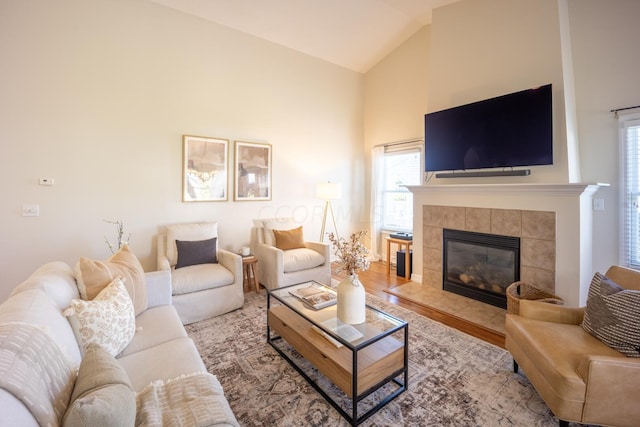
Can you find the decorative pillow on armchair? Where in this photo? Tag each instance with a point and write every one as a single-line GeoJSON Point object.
{"type": "Point", "coordinates": [276, 224]}
{"type": "Point", "coordinates": [93, 276]}
{"type": "Point", "coordinates": [289, 239]}
{"type": "Point", "coordinates": [612, 315]}
{"type": "Point", "coordinates": [196, 252]}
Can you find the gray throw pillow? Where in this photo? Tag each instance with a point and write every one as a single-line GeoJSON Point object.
{"type": "Point", "coordinates": [102, 395]}
{"type": "Point", "coordinates": [612, 315]}
{"type": "Point", "coordinates": [196, 252]}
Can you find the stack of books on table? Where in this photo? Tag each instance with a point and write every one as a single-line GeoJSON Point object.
{"type": "Point", "coordinates": [315, 297]}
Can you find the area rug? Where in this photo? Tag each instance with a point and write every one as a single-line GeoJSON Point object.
{"type": "Point", "coordinates": [454, 379]}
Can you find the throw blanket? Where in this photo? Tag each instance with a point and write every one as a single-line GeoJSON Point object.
{"type": "Point", "coordinates": [194, 400]}
{"type": "Point", "coordinates": [34, 370]}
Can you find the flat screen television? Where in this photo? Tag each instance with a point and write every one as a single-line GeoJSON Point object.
{"type": "Point", "coordinates": [501, 132]}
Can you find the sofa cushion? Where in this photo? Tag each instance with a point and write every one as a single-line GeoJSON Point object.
{"type": "Point", "coordinates": [301, 259]}
{"type": "Point", "coordinates": [196, 252]}
{"type": "Point", "coordinates": [196, 231]}
{"type": "Point", "coordinates": [107, 320]}
{"type": "Point", "coordinates": [102, 395]}
{"type": "Point", "coordinates": [289, 239]}
{"type": "Point", "coordinates": [276, 224]}
{"type": "Point", "coordinates": [36, 307]}
{"type": "Point", "coordinates": [54, 278]}
{"type": "Point", "coordinates": [161, 363]}
{"type": "Point", "coordinates": [612, 315]}
{"type": "Point", "coordinates": [155, 326]}
{"type": "Point", "coordinates": [93, 276]}
{"type": "Point", "coordinates": [199, 277]}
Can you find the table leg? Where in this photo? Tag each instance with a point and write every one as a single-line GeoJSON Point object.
{"type": "Point", "coordinates": [388, 257]}
{"type": "Point", "coordinates": [407, 262]}
{"type": "Point", "coordinates": [254, 269]}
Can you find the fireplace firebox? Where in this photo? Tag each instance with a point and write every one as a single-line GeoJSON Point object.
{"type": "Point", "coordinates": [479, 265]}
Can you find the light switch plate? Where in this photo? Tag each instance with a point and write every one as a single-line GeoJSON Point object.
{"type": "Point", "coordinates": [30, 210]}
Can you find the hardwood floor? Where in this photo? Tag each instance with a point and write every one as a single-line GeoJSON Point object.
{"type": "Point", "coordinates": [376, 281]}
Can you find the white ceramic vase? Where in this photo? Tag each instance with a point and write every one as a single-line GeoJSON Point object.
{"type": "Point", "coordinates": [351, 301]}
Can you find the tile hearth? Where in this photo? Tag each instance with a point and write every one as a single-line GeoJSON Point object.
{"type": "Point", "coordinates": [477, 312]}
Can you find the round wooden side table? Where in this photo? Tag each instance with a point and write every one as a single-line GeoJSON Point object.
{"type": "Point", "coordinates": [249, 272]}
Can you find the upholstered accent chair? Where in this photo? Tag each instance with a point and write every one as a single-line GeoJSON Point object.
{"type": "Point", "coordinates": [206, 280]}
{"type": "Point", "coordinates": [584, 361]}
{"type": "Point", "coordinates": [284, 257]}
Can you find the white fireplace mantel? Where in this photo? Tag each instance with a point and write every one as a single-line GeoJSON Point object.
{"type": "Point", "coordinates": [571, 202]}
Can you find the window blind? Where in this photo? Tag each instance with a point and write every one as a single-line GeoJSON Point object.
{"type": "Point", "coordinates": [630, 141]}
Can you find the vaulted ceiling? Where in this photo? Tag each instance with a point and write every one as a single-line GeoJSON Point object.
{"type": "Point", "coordinates": [355, 34]}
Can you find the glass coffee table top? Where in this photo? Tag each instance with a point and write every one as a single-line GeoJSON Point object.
{"type": "Point", "coordinates": [377, 322]}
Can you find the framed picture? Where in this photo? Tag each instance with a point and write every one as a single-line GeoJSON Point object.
{"type": "Point", "coordinates": [252, 171]}
{"type": "Point", "coordinates": [205, 170]}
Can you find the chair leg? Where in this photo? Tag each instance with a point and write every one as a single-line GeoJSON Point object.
{"type": "Point", "coordinates": [515, 366]}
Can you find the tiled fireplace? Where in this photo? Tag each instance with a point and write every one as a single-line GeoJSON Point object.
{"type": "Point", "coordinates": [553, 222]}
{"type": "Point", "coordinates": [535, 232]}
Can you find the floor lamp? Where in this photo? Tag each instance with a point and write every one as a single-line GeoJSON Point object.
{"type": "Point", "coordinates": [327, 192]}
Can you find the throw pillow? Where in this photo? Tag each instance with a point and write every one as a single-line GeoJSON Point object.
{"type": "Point", "coordinates": [102, 395]}
{"type": "Point", "coordinates": [196, 252]}
{"type": "Point", "coordinates": [276, 224]}
{"type": "Point", "coordinates": [289, 239]}
{"type": "Point", "coordinates": [612, 315]}
{"type": "Point", "coordinates": [93, 276]}
{"type": "Point", "coordinates": [193, 231]}
{"type": "Point", "coordinates": [107, 320]}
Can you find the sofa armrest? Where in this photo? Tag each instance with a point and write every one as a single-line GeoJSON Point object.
{"type": "Point", "coordinates": [271, 265]}
{"type": "Point", "coordinates": [163, 264]}
{"type": "Point", "coordinates": [323, 249]}
{"type": "Point", "coordinates": [161, 257]}
{"type": "Point", "coordinates": [158, 287]}
{"type": "Point", "coordinates": [613, 385]}
{"type": "Point", "coordinates": [538, 310]}
{"type": "Point", "coordinates": [232, 262]}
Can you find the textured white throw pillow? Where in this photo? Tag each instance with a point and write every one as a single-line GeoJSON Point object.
{"type": "Point", "coordinates": [108, 320]}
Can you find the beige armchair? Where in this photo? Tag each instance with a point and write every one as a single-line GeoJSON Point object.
{"type": "Point", "coordinates": [579, 377]}
{"type": "Point", "coordinates": [295, 261]}
{"type": "Point", "coordinates": [206, 280]}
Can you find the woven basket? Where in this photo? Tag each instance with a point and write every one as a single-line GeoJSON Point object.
{"type": "Point", "coordinates": [522, 290]}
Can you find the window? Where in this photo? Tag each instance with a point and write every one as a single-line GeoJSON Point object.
{"type": "Point", "coordinates": [392, 167]}
{"type": "Point", "coordinates": [630, 228]}
{"type": "Point", "coordinates": [400, 168]}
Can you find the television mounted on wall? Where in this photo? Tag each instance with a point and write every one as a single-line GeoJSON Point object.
{"type": "Point", "coordinates": [502, 132]}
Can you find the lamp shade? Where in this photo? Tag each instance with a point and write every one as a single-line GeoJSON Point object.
{"type": "Point", "coordinates": [329, 191]}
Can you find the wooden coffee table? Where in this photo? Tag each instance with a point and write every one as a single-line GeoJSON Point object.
{"type": "Point", "coordinates": [376, 355]}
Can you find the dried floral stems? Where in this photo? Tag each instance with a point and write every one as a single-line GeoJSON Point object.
{"type": "Point", "coordinates": [353, 255]}
{"type": "Point", "coordinates": [121, 241]}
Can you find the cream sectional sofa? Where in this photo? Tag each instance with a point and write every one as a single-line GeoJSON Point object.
{"type": "Point", "coordinates": [159, 353]}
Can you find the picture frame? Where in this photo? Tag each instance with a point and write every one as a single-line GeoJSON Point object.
{"type": "Point", "coordinates": [205, 169]}
{"type": "Point", "coordinates": [252, 171]}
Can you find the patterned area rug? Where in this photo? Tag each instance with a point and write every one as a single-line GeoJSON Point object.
{"type": "Point", "coordinates": [454, 379]}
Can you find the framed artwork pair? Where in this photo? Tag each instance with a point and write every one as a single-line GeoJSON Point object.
{"type": "Point", "coordinates": [205, 170]}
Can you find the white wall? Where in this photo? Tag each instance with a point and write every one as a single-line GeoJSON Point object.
{"type": "Point", "coordinates": [97, 95]}
{"type": "Point", "coordinates": [486, 48]}
{"type": "Point", "coordinates": [395, 102]}
{"type": "Point", "coordinates": [604, 38]}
